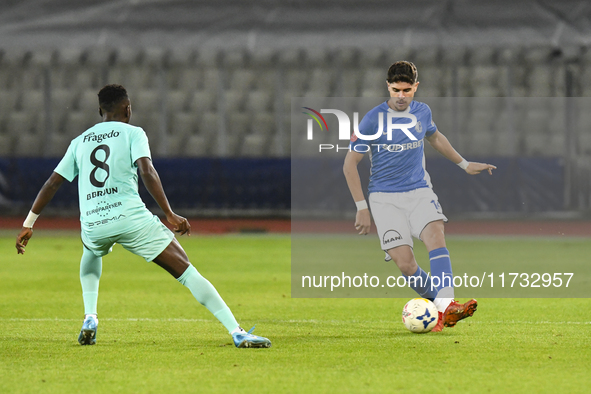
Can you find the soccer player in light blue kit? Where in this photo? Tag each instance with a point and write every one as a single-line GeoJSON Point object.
{"type": "Point", "coordinates": [402, 201]}
{"type": "Point", "coordinates": [106, 159]}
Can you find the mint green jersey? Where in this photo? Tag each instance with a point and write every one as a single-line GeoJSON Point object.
{"type": "Point", "coordinates": [103, 158]}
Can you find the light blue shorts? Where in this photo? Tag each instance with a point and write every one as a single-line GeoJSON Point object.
{"type": "Point", "coordinates": [147, 240]}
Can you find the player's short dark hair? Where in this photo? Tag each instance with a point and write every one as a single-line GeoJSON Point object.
{"type": "Point", "coordinates": [403, 71]}
{"type": "Point", "coordinates": [111, 95]}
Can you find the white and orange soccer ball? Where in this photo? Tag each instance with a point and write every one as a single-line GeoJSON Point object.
{"type": "Point", "coordinates": [420, 315]}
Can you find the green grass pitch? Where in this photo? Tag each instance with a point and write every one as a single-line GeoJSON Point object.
{"type": "Point", "coordinates": [155, 338]}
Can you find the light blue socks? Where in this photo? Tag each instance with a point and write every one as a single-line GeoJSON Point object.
{"type": "Point", "coordinates": [207, 295]}
{"type": "Point", "coordinates": [91, 267]}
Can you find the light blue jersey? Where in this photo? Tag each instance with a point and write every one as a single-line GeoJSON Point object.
{"type": "Point", "coordinates": [103, 158]}
{"type": "Point", "coordinates": [398, 162]}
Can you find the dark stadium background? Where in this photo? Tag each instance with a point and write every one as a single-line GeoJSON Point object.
{"type": "Point", "coordinates": [211, 82]}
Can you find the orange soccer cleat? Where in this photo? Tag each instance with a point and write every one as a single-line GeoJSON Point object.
{"type": "Point", "coordinates": [439, 326]}
{"type": "Point", "coordinates": [454, 313]}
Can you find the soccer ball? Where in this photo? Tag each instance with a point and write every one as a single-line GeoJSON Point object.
{"type": "Point", "coordinates": [420, 315]}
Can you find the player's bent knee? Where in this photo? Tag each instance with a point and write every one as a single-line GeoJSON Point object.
{"type": "Point", "coordinates": [173, 259]}
{"type": "Point", "coordinates": [404, 259]}
{"type": "Point", "coordinates": [433, 235]}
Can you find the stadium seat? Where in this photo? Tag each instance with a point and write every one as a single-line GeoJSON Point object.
{"type": "Point", "coordinates": [321, 81]}
{"type": "Point", "coordinates": [445, 115]}
{"type": "Point", "coordinates": [153, 56]}
{"type": "Point", "coordinates": [263, 57]}
{"type": "Point", "coordinates": [62, 100]}
{"type": "Point", "coordinates": [211, 80]}
{"type": "Point", "coordinates": [61, 71]}
{"type": "Point", "coordinates": [375, 92]}
{"type": "Point", "coordinates": [317, 57]}
{"type": "Point", "coordinates": [141, 77]}
{"type": "Point", "coordinates": [32, 101]}
{"type": "Point", "coordinates": [176, 100]}
{"type": "Point", "coordinates": [18, 122]}
{"type": "Point", "coordinates": [506, 132]}
{"type": "Point", "coordinates": [464, 81]}
{"type": "Point", "coordinates": [259, 101]}
{"type": "Point", "coordinates": [585, 78]}
{"type": "Point", "coordinates": [183, 123]}
{"type": "Point", "coordinates": [174, 146]}
{"type": "Point", "coordinates": [269, 80]}
{"type": "Point", "coordinates": [57, 144]}
{"type": "Point", "coordinates": [232, 144]}
{"type": "Point", "coordinates": [346, 57]}
{"type": "Point", "coordinates": [484, 55]}
{"type": "Point", "coordinates": [487, 81]}
{"type": "Point", "coordinates": [29, 78]}
{"type": "Point", "coordinates": [425, 57]}
{"type": "Point", "coordinates": [234, 59]}
{"type": "Point", "coordinates": [6, 77]}
{"type": "Point", "coordinates": [147, 101]}
{"type": "Point", "coordinates": [295, 81]}
{"type": "Point", "coordinates": [584, 143]}
{"type": "Point", "coordinates": [478, 131]}
{"type": "Point", "coordinates": [28, 144]}
{"type": "Point", "coordinates": [208, 124]}
{"type": "Point", "coordinates": [234, 100]}
{"type": "Point", "coordinates": [291, 58]}
{"type": "Point", "coordinates": [76, 122]}
{"type": "Point", "coordinates": [264, 123]}
{"type": "Point", "coordinates": [241, 79]}
{"type": "Point", "coordinates": [187, 78]}
{"type": "Point", "coordinates": [583, 122]}
{"type": "Point", "coordinates": [372, 57]}
{"type": "Point", "coordinates": [254, 145]}
{"type": "Point", "coordinates": [374, 79]}
{"type": "Point", "coordinates": [86, 77]}
{"type": "Point", "coordinates": [151, 123]}
{"type": "Point", "coordinates": [87, 101]}
{"type": "Point", "coordinates": [539, 145]}
{"type": "Point", "coordinates": [349, 83]}
{"type": "Point", "coordinates": [197, 146]}
{"type": "Point", "coordinates": [100, 57]}
{"type": "Point", "coordinates": [225, 145]}
{"type": "Point", "coordinates": [238, 123]}
{"type": "Point", "coordinates": [208, 57]}
{"type": "Point", "coordinates": [6, 148]}
{"type": "Point", "coordinates": [540, 81]}
{"type": "Point", "coordinates": [280, 144]}
{"type": "Point", "coordinates": [430, 81]}
{"type": "Point", "coordinates": [202, 101]}
{"type": "Point", "coordinates": [8, 102]}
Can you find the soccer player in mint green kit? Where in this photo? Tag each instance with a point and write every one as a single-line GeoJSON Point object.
{"type": "Point", "coordinates": [106, 159]}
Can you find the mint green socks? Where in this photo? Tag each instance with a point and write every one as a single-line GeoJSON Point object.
{"type": "Point", "coordinates": [207, 295]}
{"type": "Point", "coordinates": [90, 273]}
{"type": "Point", "coordinates": [91, 267]}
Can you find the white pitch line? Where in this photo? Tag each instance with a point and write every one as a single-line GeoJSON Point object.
{"type": "Point", "coordinates": [312, 321]}
{"type": "Point", "coordinates": [131, 319]}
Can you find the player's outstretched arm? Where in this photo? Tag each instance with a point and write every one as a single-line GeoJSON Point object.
{"type": "Point", "coordinates": [152, 182]}
{"type": "Point", "coordinates": [441, 144]}
{"type": "Point", "coordinates": [476, 168]}
{"type": "Point", "coordinates": [45, 195]}
{"type": "Point", "coordinates": [362, 219]}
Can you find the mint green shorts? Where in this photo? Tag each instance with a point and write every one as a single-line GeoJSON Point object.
{"type": "Point", "coordinates": [148, 240]}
